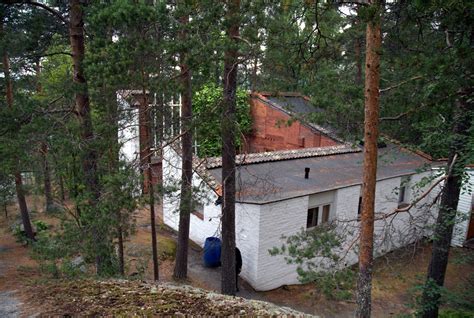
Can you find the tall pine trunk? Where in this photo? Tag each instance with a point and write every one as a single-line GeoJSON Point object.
{"type": "Point", "coordinates": [372, 81]}
{"type": "Point", "coordinates": [113, 154]}
{"type": "Point", "coordinates": [186, 204]}
{"type": "Point", "coordinates": [150, 188]}
{"type": "Point", "coordinates": [144, 136]}
{"type": "Point", "coordinates": [20, 194]}
{"type": "Point", "coordinates": [447, 212]}
{"type": "Point", "coordinates": [146, 143]}
{"type": "Point", "coordinates": [83, 111]}
{"type": "Point", "coordinates": [228, 281]}
{"type": "Point", "coordinates": [25, 215]}
{"type": "Point", "coordinates": [114, 159]}
{"type": "Point", "coordinates": [154, 244]}
{"type": "Point", "coordinates": [100, 246]}
{"type": "Point", "coordinates": [48, 194]}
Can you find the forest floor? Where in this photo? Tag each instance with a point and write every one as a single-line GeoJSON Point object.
{"type": "Point", "coordinates": [24, 289]}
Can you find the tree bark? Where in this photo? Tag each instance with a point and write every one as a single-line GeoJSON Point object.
{"type": "Point", "coordinates": [6, 71]}
{"type": "Point", "coordinates": [372, 81]}
{"type": "Point", "coordinates": [62, 191]}
{"type": "Point", "coordinates": [83, 114]}
{"type": "Point", "coordinates": [228, 282]}
{"type": "Point", "coordinates": [146, 167]}
{"type": "Point", "coordinates": [447, 212]}
{"type": "Point", "coordinates": [48, 195]}
{"type": "Point", "coordinates": [25, 215]}
{"type": "Point", "coordinates": [151, 193]}
{"type": "Point", "coordinates": [112, 133]}
{"type": "Point", "coordinates": [144, 138]}
{"type": "Point", "coordinates": [186, 204]}
{"type": "Point", "coordinates": [121, 258]}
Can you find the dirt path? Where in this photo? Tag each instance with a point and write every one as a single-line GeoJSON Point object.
{"type": "Point", "coordinates": [9, 305]}
{"type": "Point", "coordinates": [16, 266]}
{"type": "Point", "coordinates": [11, 254]}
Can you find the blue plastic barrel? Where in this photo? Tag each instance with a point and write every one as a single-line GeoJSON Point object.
{"type": "Point", "coordinates": [212, 252]}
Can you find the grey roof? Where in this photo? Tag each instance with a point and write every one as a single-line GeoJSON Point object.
{"type": "Point", "coordinates": [294, 104]}
{"type": "Point", "coordinates": [271, 181]}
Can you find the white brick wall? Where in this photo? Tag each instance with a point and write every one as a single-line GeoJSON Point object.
{"type": "Point", "coordinates": [199, 229]}
{"type": "Point", "coordinates": [247, 236]}
{"type": "Point", "coordinates": [128, 130]}
{"type": "Point", "coordinates": [392, 232]}
{"type": "Point", "coordinates": [289, 216]}
{"type": "Point", "coordinates": [466, 199]}
{"type": "Point", "coordinates": [276, 219]}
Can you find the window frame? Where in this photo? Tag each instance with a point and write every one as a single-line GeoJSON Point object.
{"type": "Point", "coordinates": [402, 200]}
{"type": "Point", "coordinates": [359, 208]}
{"type": "Point", "coordinates": [314, 221]}
{"type": "Point", "coordinates": [320, 215]}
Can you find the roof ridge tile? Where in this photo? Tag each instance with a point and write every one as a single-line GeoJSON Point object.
{"type": "Point", "coordinates": [243, 159]}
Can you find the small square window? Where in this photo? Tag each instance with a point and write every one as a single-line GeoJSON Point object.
{"type": "Point", "coordinates": [403, 192]}
{"type": "Point", "coordinates": [359, 209]}
{"type": "Point", "coordinates": [312, 219]}
{"type": "Point", "coordinates": [326, 210]}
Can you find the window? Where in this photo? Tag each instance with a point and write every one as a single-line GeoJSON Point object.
{"type": "Point", "coordinates": [326, 209]}
{"type": "Point", "coordinates": [314, 217]}
{"type": "Point", "coordinates": [172, 116]}
{"type": "Point", "coordinates": [319, 208]}
{"type": "Point", "coordinates": [402, 192]}
{"type": "Point", "coordinates": [401, 195]}
{"type": "Point", "coordinates": [359, 208]}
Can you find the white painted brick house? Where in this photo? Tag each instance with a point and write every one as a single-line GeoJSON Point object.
{"type": "Point", "coordinates": [274, 199]}
{"type": "Point", "coordinates": [464, 228]}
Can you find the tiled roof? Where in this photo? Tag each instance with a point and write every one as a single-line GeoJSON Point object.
{"type": "Point", "coordinates": [244, 159]}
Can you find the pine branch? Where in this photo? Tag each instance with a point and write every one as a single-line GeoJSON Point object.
{"type": "Point", "coordinates": [40, 5]}
{"type": "Point", "coordinates": [382, 90]}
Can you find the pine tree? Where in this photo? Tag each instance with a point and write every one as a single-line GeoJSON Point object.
{"type": "Point", "coordinates": [446, 219]}
{"type": "Point", "coordinates": [20, 192]}
{"type": "Point", "coordinates": [186, 200]}
{"type": "Point", "coordinates": [232, 22]}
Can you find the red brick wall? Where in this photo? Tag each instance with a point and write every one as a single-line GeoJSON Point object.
{"type": "Point", "coordinates": [271, 131]}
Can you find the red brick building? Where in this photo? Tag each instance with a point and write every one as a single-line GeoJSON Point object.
{"type": "Point", "coordinates": [275, 128]}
